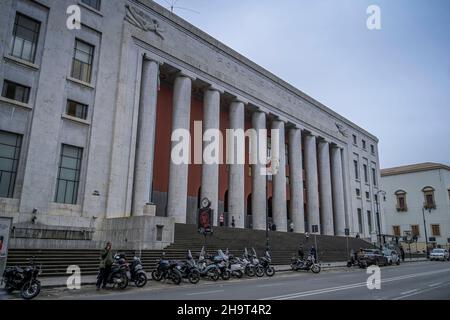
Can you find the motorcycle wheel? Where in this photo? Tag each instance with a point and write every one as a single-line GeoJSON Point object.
{"type": "Point", "coordinates": [270, 271]}
{"type": "Point", "coordinates": [215, 275]}
{"type": "Point", "coordinates": [259, 271]}
{"type": "Point", "coordinates": [238, 274]}
{"type": "Point", "coordinates": [250, 272]}
{"type": "Point", "coordinates": [123, 281]}
{"type": "Point", "coordinates": [30, 289]}
{"type": "Point", "coordinates": [398, 262]}
{"type": "Point", "coordinates": [156, 275]}
{"type": "Point", "coordinates": [315, 268]}
{"type": "Point", "coordinates": [225, 275]}
{"type": "Point", "coordinates": [194, 277]}
{"type": "Point", "coordinates": [176, 278]}
{"type": "Point", "coordinates": [349, 264]}
{"type": "Point", "coordinates": [141, 280]}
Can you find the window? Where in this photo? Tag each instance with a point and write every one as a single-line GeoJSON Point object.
{"type": "Point", "coordinates": [374, 176]}
{"type": "Point", "coordinates": [10, 144]}
{"type": "Point", "coordinates": [415, 231]}
{"type": "Point", "coordinates": [15, 91]}
{"type": "Point", "coordinates": [358, 192]}
{"type": "Point", "coordinates": [367, 195]}
{"type": "Point", "coordinates": [76, 109]}
{"type": "Point", "coordinates": [82, 61]}
{"type": "Point", "coordinates": [93, 3]}
{"type": "Point", "coordinates": [366, 177]}
{"type": "Point", "coordinates": [286, 154]}
{"type": "Point", "coordinates": [25, 38]}
{"type": "Point", "coordinates": [428, 193]}
{"type": "Point", "coordinates": [369, 221]}
{"type": "Point", "coordinates": [375, 197]}
{"type": "Point", "coordinates": [355, 139]}
{"type": "Point", "coordinates": [355, 164]}
{"type": "Point", "coordinates": [68, 174]}
{"type": "Point", "coordinates": [364, 144]}
{"type": "Point", "coordinates": [360, 221]}
{"type": "Point", "coordinates": [401, 200]}
{"type": "Point", "coordinates": [159, 233]}
{"type": "Point", "coordinates": [396, 230]}
{"type": "Point", "coordinates": [435, 230]}
{"type": "Point", "coordinates": [372, 149]}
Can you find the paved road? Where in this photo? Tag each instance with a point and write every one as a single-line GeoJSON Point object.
{"type": "Point", "coordinates": [422, 280]}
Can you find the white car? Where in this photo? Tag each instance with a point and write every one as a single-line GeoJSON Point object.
{"type": "Point", "coordinates": [439, 254]}
{"type": "Point", "coordinates": [391, 256]}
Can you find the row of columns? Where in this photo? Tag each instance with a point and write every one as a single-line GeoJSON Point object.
{"type": "Point", "coordinates": [323, 170]}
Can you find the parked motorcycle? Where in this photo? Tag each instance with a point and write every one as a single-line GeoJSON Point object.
{"type": "Point", "coordinates": [233, 265]}
{"type": "Point", "coordinates": [137, 273]}
{"type": "Point", "coordinates": [265, 262]}
{"type": "Point", "coordinates": [23, 279]}
{"type": "Point", "coordinates": [188, 269]}
{"type": "Point", "coordinates": [206, 270]}
{"type": "Point", "coordinates": [253, 258]}
{"type": "Point", "coordinates": [219, 261]}
{"type": "Point", "coordinates": [249, 268]}
{"type": "Point", "coordinates": [119, 272]}
{"type": "Point", "coordinates": [305, 265]}
{"type": "Point", "coordinates": [166, 269]}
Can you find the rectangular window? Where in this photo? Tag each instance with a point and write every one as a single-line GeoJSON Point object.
{"type": "Point", "coordinates": [415, 230]}
{"type": "Point", "coordinates": [93, 3]}
{"type": "Point", "coordinates": [159, 233]}
{"type": "Point", "coordinates": [367, 195]}
{"type": "Point", "coordinates": [358, 192]}
{"type": "Point", "coordinates": [360, 225]}
{"type": "Point", "coordinates": [355, 139]}
{"type": "Point", "coordinates": [436, 230]}
{"type": "Point", "coordinates": [366, 177]}
{"type": "Point", "coordinates": [76, 109]}
{"type": "Point", "coordinates": [372, 149]}
{"type": "Point", "coordinates": [355, 165]}
{"type": "Point", "coordinates": [396, 230]}
{"type": "Point", "coordinates": [82, 61]}
{"type": "Point", "coordinates": [374, 176]}
{"type": "Point", "coordinates": [364, 144]}
{"type": "Point", "coordinates": [369, 221]}
{"type": "Point", "coordinates": [10, 144]}
{"type": "Point", "coordinates": [286, 153]}
{"type": "Point", "coordinates": [25, 38]}
{"type": "Point", "coordinates": [68, 174]}
{"type": "Point", "coordinates": [15, 91]}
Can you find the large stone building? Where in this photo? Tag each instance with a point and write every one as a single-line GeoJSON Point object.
{"type": "Point", "coordinates": [418, 197]}
{"type": "Point", "coordinates": [86, 117]}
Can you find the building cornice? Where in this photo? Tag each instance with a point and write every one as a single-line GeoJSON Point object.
{"type": "Point", "coordinates": [419, 167]}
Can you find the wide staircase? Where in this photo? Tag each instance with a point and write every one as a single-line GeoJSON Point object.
{"type": "Point", "coordinates": [283, 246]}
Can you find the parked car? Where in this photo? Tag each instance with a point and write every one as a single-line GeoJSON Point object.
{"type": "Point", "coordinates": [374, 257]}
{"type": "Point", "coordinates": [439, 254]}
{"type": "Point", "coordinates": [391, 256]}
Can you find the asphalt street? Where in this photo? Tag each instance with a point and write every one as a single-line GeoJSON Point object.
{"type": "Point", "coordinates": [421, 281]}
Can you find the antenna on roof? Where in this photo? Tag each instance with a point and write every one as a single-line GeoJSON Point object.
{"type": "Point", "coordinates": [172, 6]}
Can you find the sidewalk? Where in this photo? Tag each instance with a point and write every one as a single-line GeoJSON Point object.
{"type": "Point", "coordinates": [54, 282]}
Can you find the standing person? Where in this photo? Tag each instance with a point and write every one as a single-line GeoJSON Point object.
{"type": "Point", "coordinates": [106, 261]}
{"type": "Point", "coordinates": [233, 224]}
{"type": "Point", "coordinates": [402, 253]}
{"type": "Point", "coordinates": [313, 252]}
{"type": "Point", "coordinates": [301, 252]}
{"type": "Point", "coordinates": [221, 220]}
{"type": "Point", "coordinates": [291, 226]}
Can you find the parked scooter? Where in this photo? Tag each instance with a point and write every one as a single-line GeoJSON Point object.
{"type": "Point", "coordinates": [206, 270]}
{"type": "Point", "coordinates": [265, 262]}
{"type": "Point", "coordinates": [137, 273]}
{"type": "Point", "coordinates": [119, 272]}
{"type": "Point", "coordinates": [259, 270]}
{"type": "Point", "coordinates": [219, 261]}
{"type": "Point", "coordinates": [23, 279]}
{"type": "Point", "coordinates": [166, 269]}
{"type": "Point", "coordinates": [234, 266]}
{"type": "Point", "coordinates": [306, 265]}
{"type": "Point", "coordinates": [249, 268]}
{"type": "Point", "coordinates": [188, 269]}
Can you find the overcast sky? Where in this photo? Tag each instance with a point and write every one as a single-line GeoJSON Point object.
{"type": "Point", "coordinates": [393, 82]}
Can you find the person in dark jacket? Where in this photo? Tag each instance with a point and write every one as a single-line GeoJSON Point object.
{"type": "Point", "coordinates": [313, 252]}
{"type": "Point", "coordinates": [301, 252]}
{"type": "Point", "coordinates": [106, 261]}
{"type": "Point", "coordinates": [402, 253]}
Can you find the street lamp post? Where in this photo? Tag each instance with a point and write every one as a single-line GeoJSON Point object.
{"type": "Point", "coordinates": [425, 228]}
{"type": "Point", "coordinates": [378, 215]}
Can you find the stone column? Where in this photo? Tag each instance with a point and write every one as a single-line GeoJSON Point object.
{"type": "Point", "coordinates": [236, 196]}
{"type": "Point", "coordinates": [312, 185]}
{"type": "Point", "coordinates": [145, 144]}
{"type": "Point", "coordinates": [326, 201]}
{"type": "Point", "coordinates": [210, 172]}
{"type": "Point", "coordinates": [178, 172]}
{"type": "Point", "coordinates": [259, 180]}
{"type": "Point", "coordinates": [279, 182]}
{"type": "Point", "coordinates": [338, 191]}
{"type": "Point", "coordinates": [296, 180]}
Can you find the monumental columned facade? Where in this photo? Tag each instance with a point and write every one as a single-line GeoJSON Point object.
{"type": "Point", "coordinates": [87, 114]}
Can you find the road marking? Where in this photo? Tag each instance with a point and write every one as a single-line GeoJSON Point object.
{"type": "Point", "coordinates": [271, 285]}
{"type": "Point", "coordinates": [205, 292]}
{"type": "Point", "coordinates": [421, 291]}
{"type": "Point", "coordinates": [435, 284]}
{"type": "Point", "coordinates": [410, 291]}
{"type": "Point", "coordinates": [350, 286]}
